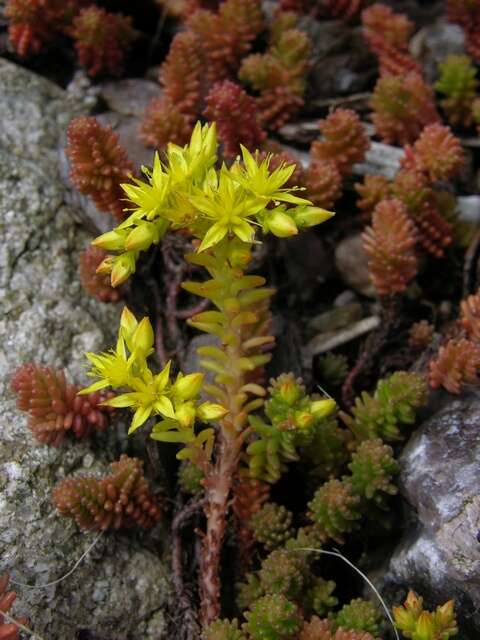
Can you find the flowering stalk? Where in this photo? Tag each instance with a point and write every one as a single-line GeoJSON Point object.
{"type": "Point", "coordinates": [235, 295]}
{"type": "Point", "coordinates": [222, 208]}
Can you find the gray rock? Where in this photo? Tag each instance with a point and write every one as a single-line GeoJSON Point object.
{"type": "Point", "coordinates": [128, 130]}
{"type": "Point", "coordinates": [120, 588]}
{"type": "Point", "coordinates": [130, 96]}
{"type": "Point", "coordinates": [380, 159]}
{"type": "Point", "coordinates": [469, 209]}
{"type": "Point", "coordinates": [351, 261]}
{"type": "Point", "coordinates": [440, 555]}
{"type": "Point", "coordinates": [82, 89]}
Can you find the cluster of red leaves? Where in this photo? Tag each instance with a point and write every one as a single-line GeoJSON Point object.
{"type": "Point", "coordinates": [390, 245]}
{"type": "Point", "coordinates": [208, 51]}
{"type": "Point", "coordinates": [457, 362]}
{"type": "Point", "coordinates": [181, 74]}
{"type": "Point", "coordinates": [404, 112]}
{"type": "Point", "coordinates": [235, 113]}
{"type": "Point", "coordinates": [226, 36]}
{"type": "Point", "coordinates": [102, 40]}
{"type": "Point", "coordinates": [96, 284]}
{"type": "Point", "coordinates": [249, 495]}
{"type": "Point", "coordinates": [402, 106]}
{"type": "Point", "coordinates": [343, 143]}
{"type": "Point", "coordinates": [279, 77]}
{"type": "Point", "coordinates": [437, 154]}
{"type": "Point", "coordinates": [34, 23]}
{"type": "Point", "coordinates": [162, 123]}
{"type": "Point", "coordinates": [323, 183]}
{"type": "Point", "coordinates": [388, 34]}
{"type": "Point", "coordinates": [98, 164]}
{"type": "Point", "coordinates": [8, 630]}
{"type": "Point", "coordinates": [54, 407]}
{"type": "Point", "coordinates": [344, 140]}
{"type": "Point", "coordinates": [414, 191]}
{"type": "Point", "coordinates": [121, 499]}
{"type": "Point", "coordinates": [466, 13]}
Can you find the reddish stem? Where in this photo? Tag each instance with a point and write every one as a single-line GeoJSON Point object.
{"type": "Point", "coordinates": [219, 484]}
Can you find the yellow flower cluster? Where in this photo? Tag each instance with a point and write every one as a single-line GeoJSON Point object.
{"type": "Point", "coordinates": [187, 191]}
{"type": "Point", "coordinates": [148, 394]}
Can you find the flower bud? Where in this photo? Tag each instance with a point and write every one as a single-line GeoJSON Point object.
{"type": "Point", "coordinates": [280, 223]}
{"type": "Point", "coordinates": [123, 267]}
{"type": "Point", "coordinates": [323, 408]}
{"type": "Point", "coordinates": [111, 241]}
{"type": "Point", "coordinates": [185, 414]}
{"type": "Point", "coordinates": [303, 419]}
{"type": "Point", "coordinates": [187, 387]}
{"type": "Point", "coordinates": [106, 266]}
{"type": "Point", "coordinates": [128, 323]}
{"type": "Point", "coordinates": [142, 339]}
{"type": "Point", "coordinates": [142, 237]}
{"type": "Point", "coordinates": [210, 411]}
{"type": "Point", "coordinates": [288, 390]}
{"type": "Point", "coordinates": [310, 216]}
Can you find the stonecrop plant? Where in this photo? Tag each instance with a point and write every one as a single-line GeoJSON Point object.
{"type": "Point", "coordinates": [226, 210]}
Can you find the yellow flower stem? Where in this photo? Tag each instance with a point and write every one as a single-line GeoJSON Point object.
{"type": "Point", "coordinates": [242, 321]}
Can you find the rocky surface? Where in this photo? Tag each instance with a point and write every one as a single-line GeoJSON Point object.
{"type": "Point", "coordinates": [352, 263]}
{"type": "Point", "coordinates": [440, 555]}
{"type": "Point", "coordinates": [119, 590]}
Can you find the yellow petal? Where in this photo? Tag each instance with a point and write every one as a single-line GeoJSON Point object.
{"type": "Point", "coordinates": [122, 401]}
{"type": "Point", "coordinates": [162, 378]}
{"type": "Point", "coordinates": [213, 236]}
{"type": "Point", "coordinates": [164, 406]}
{"type": "Point", "coordinates": [140, 416]}
{"type": "Point", "coordinates": [96, 386]}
